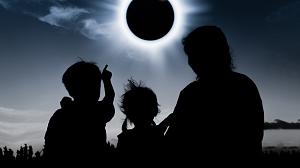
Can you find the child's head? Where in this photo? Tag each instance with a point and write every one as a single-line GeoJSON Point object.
{"type": "Point", "coordinates": [83, 81]}
{"type": "Point", "coordinates": [139, 103]}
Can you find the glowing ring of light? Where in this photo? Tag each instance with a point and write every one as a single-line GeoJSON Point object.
{"type": "Point", "coordinates": [167, 39]}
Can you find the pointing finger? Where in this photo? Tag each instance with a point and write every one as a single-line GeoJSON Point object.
{"type": "Point", "coordinates": [105, 67]}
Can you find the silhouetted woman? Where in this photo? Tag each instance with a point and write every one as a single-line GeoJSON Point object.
{"type": "Point", "coordinates": [220, 115]}
{"type": "Point", "coordinates": [144, 140]}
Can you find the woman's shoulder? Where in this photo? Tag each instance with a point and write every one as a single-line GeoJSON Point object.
{"type": "Point", "coordinates": [243, 79]}
{"type": "Point", "coordinates": [241, 76]}
{"type": "Point", "coordinates": [190, 88]}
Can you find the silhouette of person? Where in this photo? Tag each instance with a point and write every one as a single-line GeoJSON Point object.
{"type": "Point", "coordinates": [221, 111]}
{"type": "Point", "coordinates": [145, 139]}
{"type": "Point", "coordinates": [81, 121]}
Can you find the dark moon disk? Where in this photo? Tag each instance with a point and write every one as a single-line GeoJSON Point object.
{"type": "Point", "coordinates": [150, 19]}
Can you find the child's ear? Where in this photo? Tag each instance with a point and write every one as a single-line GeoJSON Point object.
{"type": "Point", "coordinates": [66, 102]}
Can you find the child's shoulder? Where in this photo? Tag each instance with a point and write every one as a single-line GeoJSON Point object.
{"type": "Point", "coordinates": [58, 115]}
{"type": "Point", "coordinates": [56, 119]}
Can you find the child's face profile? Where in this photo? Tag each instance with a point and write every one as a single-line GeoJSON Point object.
{"type": "Point", "coordinates": [83, 82]}
{"type": "Point", "coordinates": [143, 112]}
{"type": "Point", "coordinates": [87, 90]}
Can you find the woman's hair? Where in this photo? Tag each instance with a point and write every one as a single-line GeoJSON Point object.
{"type": "Point", "coordinates": [208, 46]}
{"type": "Point", "coordinates": [138, 103]}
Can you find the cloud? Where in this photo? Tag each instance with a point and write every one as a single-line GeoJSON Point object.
{"type": "Point", "coordinates": [93, 30]}
{"type": "Point", "coordinates": [4, 4]}
{"type": "Point", "coordinates": [76, 15]}
{"type": "Point", "coordinates": [71, 18]}
{"type": "Point", "coordinates": [22, 126]}
{"type": "Point", "coordinates": [58, 16]}
{"type": "Point", "coordinates": [16, 116]}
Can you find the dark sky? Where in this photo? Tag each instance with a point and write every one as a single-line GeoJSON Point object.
{"type": "Point", "coordinates": [39, 39]}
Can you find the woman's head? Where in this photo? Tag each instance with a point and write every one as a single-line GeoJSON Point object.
{"type": "Point", "coordinates": [139, 103]}
{"type": "Point", "coordinates": [208, 50]}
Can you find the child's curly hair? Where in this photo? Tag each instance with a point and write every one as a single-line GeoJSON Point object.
{"type": "Point", "coordinates": [138, 103]}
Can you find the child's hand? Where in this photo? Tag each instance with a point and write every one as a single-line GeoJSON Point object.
{"type": "Point", "coordinates": [106, 75]}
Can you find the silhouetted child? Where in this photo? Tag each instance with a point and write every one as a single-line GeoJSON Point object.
{"type": "Point", "coordinates": [221, 113]}
{"type": "Point", "coordinates": [77, 132]}
{"type": "Point", "coordinates": [144, 140]}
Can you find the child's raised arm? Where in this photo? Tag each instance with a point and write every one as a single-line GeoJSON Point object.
{"type": "Point", "coordinates": [109, 94]}
{"type": "Point", "coordinates": [108, 88]}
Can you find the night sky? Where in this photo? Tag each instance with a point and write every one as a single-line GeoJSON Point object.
{"type": "Point", "coordinates": [40, 39]}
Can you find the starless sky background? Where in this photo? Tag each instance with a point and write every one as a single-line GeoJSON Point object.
{"type": "Point", "coordinates": [40, 39]}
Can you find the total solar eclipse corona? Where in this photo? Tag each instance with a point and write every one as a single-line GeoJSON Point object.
{"type": "Point", "coordinates": [150, 19]}
{"type": "Point", "coordinates": [150, 25]}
